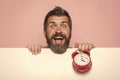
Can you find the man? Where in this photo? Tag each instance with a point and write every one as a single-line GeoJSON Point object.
{"type": "Point", "coordinates": [57, 30]}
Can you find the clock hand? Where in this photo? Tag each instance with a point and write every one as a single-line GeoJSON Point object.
{"type": "Point", "coordinates": [82, 57]}
{"type": "Point", "coordinates": [83, 60]}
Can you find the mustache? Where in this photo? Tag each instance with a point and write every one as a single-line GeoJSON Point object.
{"type": "Point", "coordinates": [58, 35]}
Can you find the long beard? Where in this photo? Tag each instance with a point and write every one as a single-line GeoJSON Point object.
{"type": "Point", "coordinates": [58, 48]}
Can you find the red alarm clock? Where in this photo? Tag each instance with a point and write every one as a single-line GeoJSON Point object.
{"type": "Point", "coordinates": [81, 61]}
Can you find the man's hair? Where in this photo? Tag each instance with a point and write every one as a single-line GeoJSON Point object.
{"type": "Point", "coordinates": [57, 11]}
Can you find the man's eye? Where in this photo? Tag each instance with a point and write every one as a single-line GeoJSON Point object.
{"type": "Point", "coordinates": [52, 26]}
{"type": "Point", "coordinates": [64, 25]}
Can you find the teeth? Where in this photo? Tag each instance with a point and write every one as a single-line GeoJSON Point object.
{"type": "Point", "coordinates": [58, 38]}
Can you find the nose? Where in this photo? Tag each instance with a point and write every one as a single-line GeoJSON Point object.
{"type": "Point", "coordinates": [58, 30]}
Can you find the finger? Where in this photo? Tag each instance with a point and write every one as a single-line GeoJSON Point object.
{"type": "Point", "coordinates": [29, 47]}
{"type": "Point", "coordinates": [83, 46]}
{"type": "Point", "coordinates": [76, 45]}
{"type": "Point", "coordinates": [38, 49]}
{"type": "Point", "coordinates": [80, 47]}
{"type": "Point", "coordinates": [86, 47]}
{"type": "Point", "coordinates": [91, 46]}
{"type": "Point", "coordinates": [33, 49]}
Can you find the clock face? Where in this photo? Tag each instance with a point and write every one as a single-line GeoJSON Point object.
{"type": "Point", "coordinates": [82, 59]}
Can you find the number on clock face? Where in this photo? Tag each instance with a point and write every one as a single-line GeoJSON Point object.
{"type": "Point", "coordinates": [82, 59]}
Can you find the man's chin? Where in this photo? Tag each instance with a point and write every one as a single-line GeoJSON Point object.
{"type": "Point", "coordinates": [58, 49]}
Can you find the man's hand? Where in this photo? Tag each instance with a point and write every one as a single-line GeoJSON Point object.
{"type": "Point", "coordinates": [84, 46]}
{"type": "Point", "coordinates": [35, 49]}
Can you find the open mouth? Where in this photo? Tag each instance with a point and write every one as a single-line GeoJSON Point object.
{"type": "Point", "coordinates": [58, 40]}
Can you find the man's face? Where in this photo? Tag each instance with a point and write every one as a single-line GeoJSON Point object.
{"type": "Point", "coordinates": [58, 33]}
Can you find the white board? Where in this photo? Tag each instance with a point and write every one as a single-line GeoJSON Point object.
{"type": "Point", "coordinates": [20, 64]}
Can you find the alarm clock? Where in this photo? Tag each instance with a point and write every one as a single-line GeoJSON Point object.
{"type": "Point", "coordinates": [81, 61]}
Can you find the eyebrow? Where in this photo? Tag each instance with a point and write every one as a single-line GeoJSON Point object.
{"type": "Point", "coordinates": [61, 22]}
{"type": "Point", "coordinates": [51, 22]}
{"type": "Point", "coordinates": [64, 21]}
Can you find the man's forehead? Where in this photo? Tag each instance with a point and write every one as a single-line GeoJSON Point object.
{"type": "Point", "coordinates": [58, 19]}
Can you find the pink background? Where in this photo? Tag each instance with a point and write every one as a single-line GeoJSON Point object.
{"type": "Point", "coordinates": [94, 21]}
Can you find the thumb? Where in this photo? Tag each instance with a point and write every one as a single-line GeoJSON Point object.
{"type": "Point", "coordinates": [76, 45]}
